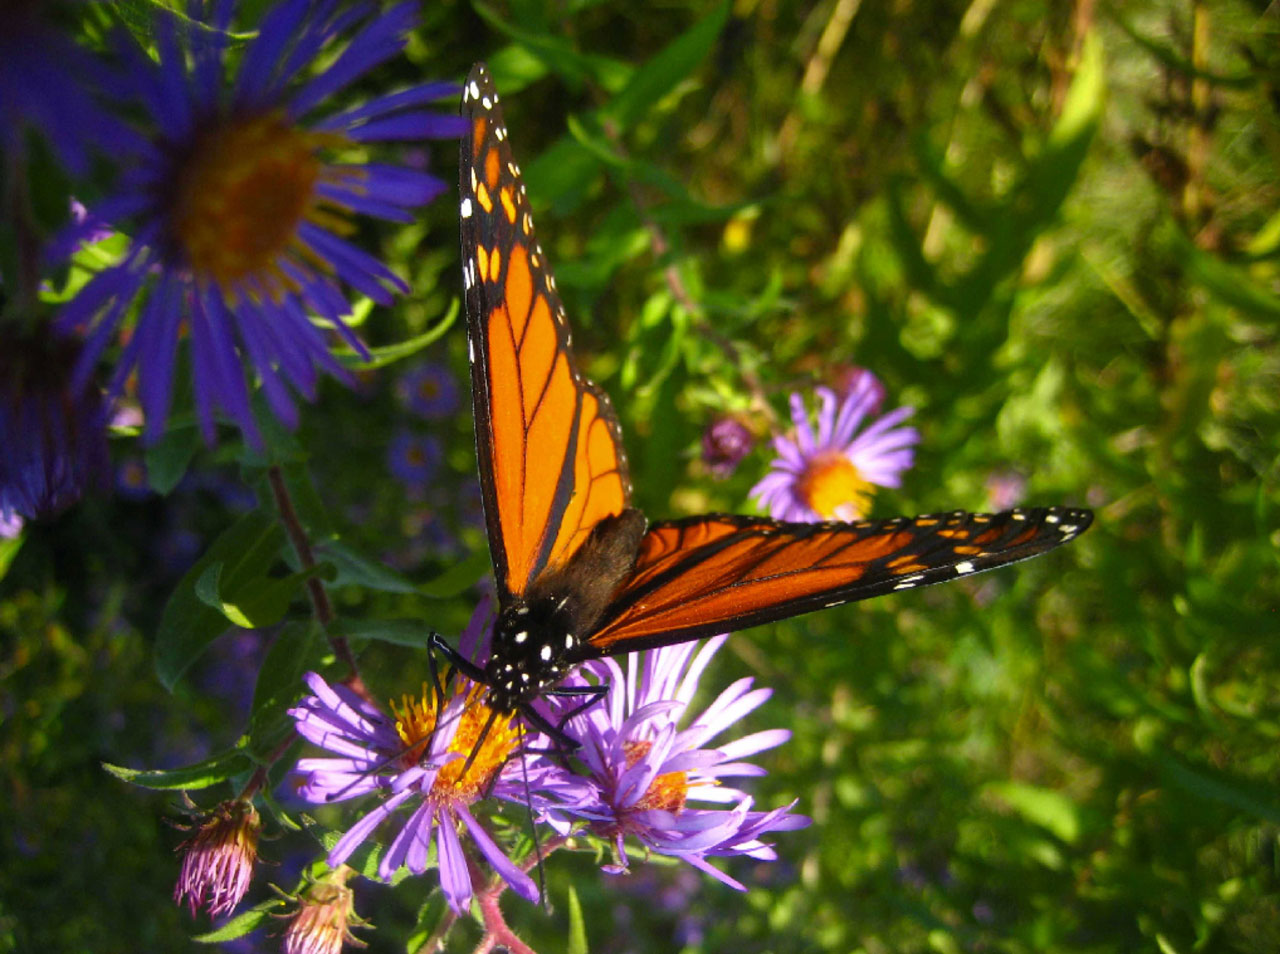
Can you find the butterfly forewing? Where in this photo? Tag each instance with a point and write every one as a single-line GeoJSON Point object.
{"type": "Point", "coordinates": [719, 573]}
{"type": "Point", "coordinates": [550, 455]}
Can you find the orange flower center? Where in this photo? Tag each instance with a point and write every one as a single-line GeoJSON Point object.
{"type": "Point", "coordinates": [242, 193]}
{"type": "Point", "coordinates": [415, 723]}
{"type": "Point", "coordinates": [666, 792]}
{"type": "Point", "coordinates": [833, 488]}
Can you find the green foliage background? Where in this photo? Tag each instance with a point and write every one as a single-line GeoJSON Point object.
{"type": "Point", "coordinates": [1050, 228]}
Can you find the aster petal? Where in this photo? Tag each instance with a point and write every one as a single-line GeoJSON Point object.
{"type": "Point", "coordinates": [800, 419]}
{"type": "Point", "coordinates": [707, 868]}
{"type": "Point", "coordinates": [520, 882]}
{"type": "Point", "coordinates": [356, 266]}
{"type": "Point", "coordinates": [389, 103]}
{"type": "Point", "coordinates": [379, 40]}
{"type": "Point", "coordinates": [263, 55]}
{"type": "Point", "coordinates": [455, 879]}
{"type": "Point", "coordinates": [361, 830]}
{"type": "Point", "coordinates": [826, 415]}
{"type": "Point", "coordinates": [411, 845]}
{"type": "Point", "coordinates": [756, 742]}
{"type": "Point", "coordinates": [409, 127]}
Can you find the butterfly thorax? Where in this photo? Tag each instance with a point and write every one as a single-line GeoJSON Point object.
{"type": "Point", "coordinates": [540, 636]}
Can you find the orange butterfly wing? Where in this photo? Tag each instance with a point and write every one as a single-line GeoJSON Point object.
{"type": "Point", "coordinates": [548, 443]}
{"type": "Point", "coordinates": [719, 573]}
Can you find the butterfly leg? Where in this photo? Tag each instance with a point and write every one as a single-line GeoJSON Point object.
{"type": "Point", "coordinates": [459, 662]}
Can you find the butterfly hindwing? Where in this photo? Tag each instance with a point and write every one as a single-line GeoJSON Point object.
{"type": "Point", "coordinates": [548, 443]}
{"type": "Point", "coordinates": [718, 573]}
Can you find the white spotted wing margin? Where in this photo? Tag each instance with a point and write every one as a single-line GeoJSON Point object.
{"type": "Point", "coordinates": [719, 573]}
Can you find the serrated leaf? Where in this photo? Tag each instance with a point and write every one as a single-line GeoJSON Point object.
{"type": "Point", "coordinates": [246, 550]}
{"type": "Point", "coordinates": [168, 459]}
{"type": "Point", "coordinates": [576, 942]}
{"type": "Point", "coordinates": [243, 923]}
{"type": "Point", "coordinates": [210, 772]}
{"type": "Point", "coordinates": [390, 354]}
{"type": "Point", "coordinates": [664, 71]}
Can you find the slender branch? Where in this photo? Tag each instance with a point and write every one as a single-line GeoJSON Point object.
{"type": "Point", "coordinates": [259, 777]}
{"type": "Point", "coordinates": [320, 604]}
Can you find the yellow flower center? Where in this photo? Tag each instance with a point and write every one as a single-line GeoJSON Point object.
{"type": "Point", "coordinates": [242, 192]}
{"type": "Point", "coordinates": [416, 721]}
{"type": "Point", "coordinates": [666, 792]}
{"type": "Point", "coordinates": [833, 488]}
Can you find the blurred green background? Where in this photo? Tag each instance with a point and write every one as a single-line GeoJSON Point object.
{"type": "Point", "coordinates": [1052, 228]}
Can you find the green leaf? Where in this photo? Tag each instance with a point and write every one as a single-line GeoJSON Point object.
{"type": "Point", "coordinates": [1230, 285]}
{"type": "Point", "coordinates": [461, 576]}
{"type": "Point", "coordinates": [559, 55]}
{"type": "Point", "coordinates": [168, 459]}
{"type": "Point", "coordinates": [1176, 61]}
{"type": "Point", "coordinates": [296, 649]}
{"type": "Point", "coordinates": [1041, 806]}
{"type": "Point", "coordinates": [9, 547]}
{"type": "Point", "coordinates": [576, 943]}
{"type": "Point", "coordinates": [563, 175]}
{"type": "Point", "coordinates": [401, 632]}
{"type": "Point", "coordinates": [390, 354]}
{"type": "Point", "coordinates": [1220, 787]}
{"type": "Point", "coordinates": [213, 770]}
{"type": "Point", "coordinates": [258, 602]}
{"type": "Point", "coordinates": [243, 923]}
{"type": "Point", "coordinates": [663, 72]}
{"type": "Point", "coordinates": [356, 569]}
{"type": "Point", "coordinates": [246, 551]}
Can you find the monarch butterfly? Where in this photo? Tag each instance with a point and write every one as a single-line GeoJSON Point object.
{"type": "Point", "coordinates": [580, 572]}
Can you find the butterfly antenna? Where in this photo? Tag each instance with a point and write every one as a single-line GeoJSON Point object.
{"type": "Point", "coordinates": [533, 827]}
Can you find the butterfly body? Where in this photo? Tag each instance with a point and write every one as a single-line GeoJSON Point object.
{"type": "Point", "coordinates": [580, 573]}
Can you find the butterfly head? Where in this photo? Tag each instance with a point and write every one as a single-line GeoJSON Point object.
{"type": "Point", "coordinates": [533, 641]}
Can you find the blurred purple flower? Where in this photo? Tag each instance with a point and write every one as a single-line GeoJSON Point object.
{"type": "Point", "coordinates": [238, 211]}
{"type": "Point", "coordinates": [47, 82]}
{"type": "Point", "coordinates": [414, 458]}
{"type": "Point", "coordinates": [851, 378]}
{"type": "Point", "coordinates": [832, 475]}
{"type": "Point", "coordinates": [131, 479]}
{"type": "Point", "coordinates": [1005, 489]}
{"type": "Point", "coordinates": [54, 435]}
{"type": "Point", "coordinates": [644, 770]}
{"type": "Point", "coordinates": [429, 390]}
{"type": "Point", "coordinates": [10, 525]}
{"type": "Point", "coordinates": [724, 443]}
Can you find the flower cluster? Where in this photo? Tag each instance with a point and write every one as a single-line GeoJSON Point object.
{"type": "Point", "coordinates": [644, 776]}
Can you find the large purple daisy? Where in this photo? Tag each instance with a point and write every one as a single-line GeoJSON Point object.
{"type": "Point", "coordinates": [832, 474]}
{"type": "Point", "coordinates": [435, 756]}
{"type": "Point", "coordinates": [239, 203]}
{"type": "Point", "coordinates": [648, 775]}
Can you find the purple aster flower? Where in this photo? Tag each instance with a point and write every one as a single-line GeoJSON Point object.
{"type": "Point", "coordinates": [1005, 489]}
{"type": "Point", "coordinates": [239, 203]}
{"type": "Point", "coordinates": [647, 774]}
{"type": "Point", "coordinates": [418, 758]}
{"type": "Point", "coordinates": [831, 475]}
{"type": "Point", "coordinates": [10, 525]}
{"type": "Point", "coordinates": [217, 861]}
{"type": "Point", "coordinates": [48, 83]}
{"type": "Point", "coordinates": [429, 390]}
{"type": "Point", "coordinates": [413, 458]}
{"type": "Point", "coordinates": [53, 434]}
{"type": "Point", "coordinates": [724, 444]}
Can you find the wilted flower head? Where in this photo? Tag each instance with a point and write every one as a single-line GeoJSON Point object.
{"type": "Point", "coordinates": [437, 756]}
{"type": "Point", "coordinates": [53, 435]}
{"type": "Point", "coordinates": [326, 913]}
{"type": "Point", "coordinates": [238, 206]}
{"type": "Point", "coordinates": [724, 443]}
{"type": "Point", "coordinates": [650, 777]}
{"type": "Point", "coordinates": [217, 861]}
{"type": "Point", "coordinates": [833, 473]}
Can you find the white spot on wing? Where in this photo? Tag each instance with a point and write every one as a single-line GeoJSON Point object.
{"type": "Point", "coordinates": [474, 90]}
{"type": "Point", "coordinates": [465, 209]}
{"type": "Point", "coordinates": [965, 567]}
